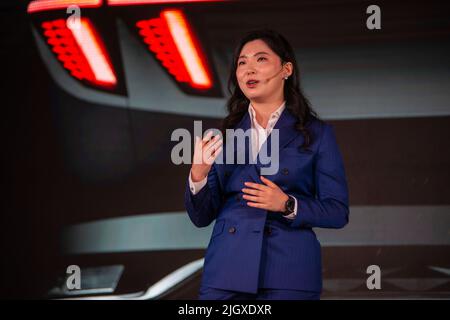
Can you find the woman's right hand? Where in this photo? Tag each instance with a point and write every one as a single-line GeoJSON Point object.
{"type": "Point", "coordinates": [205, 153]}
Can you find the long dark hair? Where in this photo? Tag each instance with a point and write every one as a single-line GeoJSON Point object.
{"type": "Point", "coordinates": [296, 102]}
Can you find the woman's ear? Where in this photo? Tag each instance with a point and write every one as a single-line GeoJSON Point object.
{"type": "Point", "coordinates": [288, 67]}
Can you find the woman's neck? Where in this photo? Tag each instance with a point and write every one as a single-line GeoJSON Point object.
{"type": "Point", "coordinates": [263, 110]}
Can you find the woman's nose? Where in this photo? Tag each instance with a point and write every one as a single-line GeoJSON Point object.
{"type": "Point", "coordinates": [250, 70]}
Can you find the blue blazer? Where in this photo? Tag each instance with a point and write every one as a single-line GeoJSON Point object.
{"type": "Point", "coordinates": [242, 255]}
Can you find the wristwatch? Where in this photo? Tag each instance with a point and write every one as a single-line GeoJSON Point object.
{"type": "Point", "coordinates": [289, 206]}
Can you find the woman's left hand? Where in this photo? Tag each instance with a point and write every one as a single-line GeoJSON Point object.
{"type": "Point", "coordinates": [265, 196]}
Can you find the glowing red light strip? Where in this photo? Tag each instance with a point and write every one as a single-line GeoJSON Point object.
{"type": "Point", "coordinates": [184, 41]}
{"type": "Point", "coordinates": [138, 2]}
{"type": "Point", "coordinates": [44, 5]}
{"type": "Point", "coordinates": [92, 49]}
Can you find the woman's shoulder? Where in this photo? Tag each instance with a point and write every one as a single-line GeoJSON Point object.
{"type": "Point", "coordinates": [316, 124]}
{"type": "Point", "coordinates": [319, 129]}
{"type": "Point", "coordinates": [324, 132]}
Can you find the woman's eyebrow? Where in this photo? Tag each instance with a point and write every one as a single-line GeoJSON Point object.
{"type": "Point", "coordinates": [261, 52]}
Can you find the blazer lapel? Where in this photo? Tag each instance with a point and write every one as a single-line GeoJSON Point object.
{"type": "Point", "coordinates": [286, 133]}
{"type": "Point", "coordinates": [247, 171]}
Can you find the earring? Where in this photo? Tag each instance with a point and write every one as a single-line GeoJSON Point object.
{"type": "Point", "coordinates": [285, 78]}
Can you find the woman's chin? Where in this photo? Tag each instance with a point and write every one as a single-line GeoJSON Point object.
{"type": "Point", "coordinates": [254, 96]}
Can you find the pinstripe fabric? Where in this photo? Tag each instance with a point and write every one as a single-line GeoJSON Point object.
{"type": "Point", "coordinates": [251, 248]}
{"type": "Point", "coordinates": [207, 293]}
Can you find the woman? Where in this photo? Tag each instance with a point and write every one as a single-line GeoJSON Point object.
{"type": "Point", "coordinates": [262, 245]}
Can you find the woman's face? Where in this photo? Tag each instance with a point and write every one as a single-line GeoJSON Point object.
{"type": "Point", "coordinates": [258, 62]}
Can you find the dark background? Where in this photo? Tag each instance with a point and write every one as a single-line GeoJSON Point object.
{"type": "Point", "coordinates": [388, 162]}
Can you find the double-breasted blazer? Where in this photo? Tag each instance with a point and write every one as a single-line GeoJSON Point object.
{"type": "Point", "coordinates": [252, 248]}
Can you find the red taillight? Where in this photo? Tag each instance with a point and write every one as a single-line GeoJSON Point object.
{"type": "Point", "coordinates": [138, 2]}
{"type": "Point", "coordinates": [81, 51]}
{"type": "Point", "coordinates": [45, 5]}
{"type": "Point", "coordinates": [171, 39]}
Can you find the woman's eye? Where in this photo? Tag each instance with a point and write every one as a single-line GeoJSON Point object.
{"type": "Point", "coordinates": [261, 58]}
{"type": "Point", "coordinates": [240, 62]}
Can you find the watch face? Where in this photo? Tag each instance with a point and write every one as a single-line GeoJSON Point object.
{"type": "Point", "coordinates": [290, 204]}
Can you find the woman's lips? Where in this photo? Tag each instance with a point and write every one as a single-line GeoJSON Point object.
{"type": "Point", "coordinates": [252, 84]}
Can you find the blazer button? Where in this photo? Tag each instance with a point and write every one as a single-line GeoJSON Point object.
{"type": "Point", "coordinates": [227, 173]}
{"type": "Point", "coordinates": [232, 230]}
{"type": "Point", "coordinates": [238, 198]}
{"type": "Point", "coordinates": [268, 230]}
{"type": "Point", "coordinates": [285, 171]}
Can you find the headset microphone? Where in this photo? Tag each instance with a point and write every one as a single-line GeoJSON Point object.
{"type": "Point", "coordinates": [268, 79]}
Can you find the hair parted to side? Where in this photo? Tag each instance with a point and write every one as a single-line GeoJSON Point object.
{"type": "Point", "coordinates": [296, 102]}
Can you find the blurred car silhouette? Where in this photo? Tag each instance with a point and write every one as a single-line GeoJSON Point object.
{"type": "Point", "coordinates": [130, 72]}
